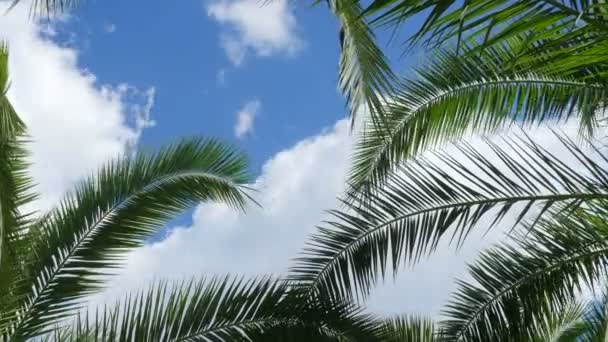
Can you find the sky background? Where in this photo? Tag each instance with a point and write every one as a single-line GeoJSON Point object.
{"type": "Point", "coordinates": [115, 75]}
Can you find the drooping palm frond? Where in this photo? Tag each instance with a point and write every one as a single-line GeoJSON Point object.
{"type": "Point", "coordinates": [14, 193]}
{"type": "Point", "coordinates": [519, 284]}
{"type": "Point", "coordinates": [410, 329]}
{"type": "Point", "coordinates": [490, 20]}
{"type": "Point", "coordinates": [364, 75]}
{"type": "Point", "coordinates": [442, 196]}
{"type": "Point", "coordinates": [219, 310]}
{"type": "Point", "coordinates": [127, 201]}
{"type": "Point", "coordinates": [454, 95]}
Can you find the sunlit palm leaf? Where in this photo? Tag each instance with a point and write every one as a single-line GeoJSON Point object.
{"type": "Point", "coordinates": [123, 205]}
{"type": "Point", "coordinates": [520, 283]}
{"type": "Point", "coordinates": [447, 193]}
{"type": "Point", "coordinates": [365, 76]}
{"type": "Point", "coordinates": [219, 310]}
{"type": "Point", "coordinates": [565, 325]}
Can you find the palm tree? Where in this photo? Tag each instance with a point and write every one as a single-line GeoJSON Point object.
{"type": "Point", "coordinates": [50, 262]}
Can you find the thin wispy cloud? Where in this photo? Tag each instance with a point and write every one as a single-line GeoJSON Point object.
{"type": "Point", "coordinates": [245, 118]}
{"type": "Point", "coordinates": [109, 28]}
{"type": "Point", "coordinates": [221, 77]}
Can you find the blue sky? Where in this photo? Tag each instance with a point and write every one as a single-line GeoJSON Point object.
{"type": "Point", "coordinates": [177, 50]}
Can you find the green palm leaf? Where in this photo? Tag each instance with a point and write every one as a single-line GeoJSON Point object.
{"type": "Point", "coordinates": [489, 20]}
{"type": "Point", "coordinates": [566, 325]}
{"type": "Point", "coordinates": [15, 192]}
{"type": "Point", "coordinates": [455, 95]}
{"type": "Point", "coordinates": [410, 329]}
{"type": "Point", "coordinates": [444, 196]}
{"type": "Point", "coordinates": [220, 310]}
{"type": "Point", "coordinates": [128, 200]}
{"type": "Point", "coordinates": [364, 76]}
{"type": "Point", "coordinates": [520, 283]}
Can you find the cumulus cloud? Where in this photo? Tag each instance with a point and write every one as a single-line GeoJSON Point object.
{"type": "Point", "coordinates": [251, 26]}
{"type": "Point", "coordinates": [74, 122]}
{"type": "Point", "coordinates": [295, 187]}
{"type": "Point", "coordinates": [245, 118]}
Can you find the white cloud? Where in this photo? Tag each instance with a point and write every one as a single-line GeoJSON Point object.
{"type": "Point", "coordinates": [221, 77]}
{"type": "Point", "coordinates": [245, 118]}
{"type": "Point", "coordinates": [109, 28]}
{"type": "Point", "coordinates": [294, 189]}
{"type": "Point", "coordinates": [264, 28]}
{"type": "Point", "coordinates": [75, 122]}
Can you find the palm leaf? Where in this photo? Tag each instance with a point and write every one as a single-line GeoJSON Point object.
{"type": "Point", "coordinates": [489, 20]}
{"type": "Point", "coordinates": [444, 196]}
{"type": "Point", "coordinates": [566, 325]}
{"type": "Point", "coordinates": [48, 7]}
{"type": "Point", "coordinates": [128, 200]}
{"type": "Point", "coordinates": [410, 329]}
{"type": "Point", "coordinates": [15, 192]}
{"type": "Point", "coordinates": [219, 310]}
{"type": "Point", "coordinates": [365, 76]}
{"type": "Point", "coordinates": [455, 95]}
{"type": "Point", "coordinates": [520, 283]}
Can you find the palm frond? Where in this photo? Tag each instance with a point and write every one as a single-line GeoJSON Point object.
{"type": "Point", "coordinates": [47, 8]}
{"type": "Point", "coordinates": [520, 283]}
{"type": "Point", "coordinates": [128, 200]}
{"type": "Point", "coordinates": [409, 328]}
{"type": "Point", "coordinates": [566, 325]}
{"type": "Point", "coordinates": [217, 310]}
{"type": "Point", "coordinates": [15, 186]}
{"type": "Point", "coordinates": [489, 20]}
{"type": "Point", "coordinates": [365, 76]}
{"type": "Point", "coordinates": [442, 196]}
{"type": "Point", "coordinates": [455, 95]}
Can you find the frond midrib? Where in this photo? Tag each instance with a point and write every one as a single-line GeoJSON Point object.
{"type": "Point", "coordinates": [224, 327]}
{"type": "Point", "coordinates": [477, 84]}
{"type": "Point", "coordinates": [554, 197]}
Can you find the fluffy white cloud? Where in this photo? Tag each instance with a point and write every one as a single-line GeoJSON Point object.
{"type": "Point", "coordinates": [294, 189]}
{"type": "Point", "coordinates": [245, 118]}
{"type": "Point", "coordinates": [74, 122]}
{"type": "Point", "coordinates": [265, 28]}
